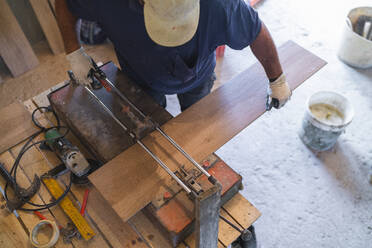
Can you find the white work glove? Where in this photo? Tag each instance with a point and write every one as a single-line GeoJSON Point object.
{"type": "Point", "coordinates": [278, 93]}
{"type": "Point", "coordinates": [80, 65]}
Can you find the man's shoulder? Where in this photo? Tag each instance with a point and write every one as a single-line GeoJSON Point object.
{"type": "Point", "coordinates": [224, 4]}
{"type": "Point", "coordinates": [219, 6]}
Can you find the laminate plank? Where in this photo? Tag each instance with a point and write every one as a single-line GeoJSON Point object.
{"type": "Point", "coordinates": [49, 25]}
{"type": "Point", "coordinates": [130, 180]}
{"type": "Point", "coordinates": [15, 49]}
{"type": "Point", "coordinates": [16, 125]}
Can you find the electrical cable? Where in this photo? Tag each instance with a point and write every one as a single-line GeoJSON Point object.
{"type": "Point", "coordinates": [25, 148]}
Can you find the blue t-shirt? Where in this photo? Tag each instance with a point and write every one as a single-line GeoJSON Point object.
{"type": "Point", "coordinates": [171, 70]}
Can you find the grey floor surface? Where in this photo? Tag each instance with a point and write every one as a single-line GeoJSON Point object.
{"type": "Point", "coordinates": [308, 199]}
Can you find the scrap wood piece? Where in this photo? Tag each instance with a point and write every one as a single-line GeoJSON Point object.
{"type": "Point", "coordinates": [15, 49]}
{"type": "Point", "coordinates": [130, 181]}
{"type": "Point", "coordinates": [49, 25]}
{"type": "Point", "coordinates": [16, 126]}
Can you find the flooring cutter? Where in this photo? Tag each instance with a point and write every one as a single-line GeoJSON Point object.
{"type": "Point", "coordinates": [108, 120]}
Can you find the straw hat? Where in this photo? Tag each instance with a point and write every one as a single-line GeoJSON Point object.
{"type": "Point", "coordinates": [171, 22]}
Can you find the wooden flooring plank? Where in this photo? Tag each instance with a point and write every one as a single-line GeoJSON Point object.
{"type": "Point", "coordinates": [16, 126]}
{"type": "Point", "coordinates": [49, 25]}
{"type": "Point", "coordinates": [12, 235]}
{"type": "Point", "coordinates": [15, 49]}
{"type": "Point", "coordinates": [200, 130]}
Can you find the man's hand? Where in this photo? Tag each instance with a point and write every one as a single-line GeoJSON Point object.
{"type": "Point", "coordinates": [80, 65]}
{"type": "Point", "coordinates": [279, 92]}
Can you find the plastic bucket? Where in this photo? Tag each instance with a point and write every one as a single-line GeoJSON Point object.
{"type": "Point", "coordinates": [326, 117]}
{"type": "Point", "coordinates": [356, 50]}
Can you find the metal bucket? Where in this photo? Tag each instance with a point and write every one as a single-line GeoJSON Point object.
{"type": "Point", "coordinates": [326, 117]}
{"type": "Point", "coordinates": [356, 41]}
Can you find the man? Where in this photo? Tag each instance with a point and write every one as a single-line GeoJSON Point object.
{"type": "Point", "coordinates": [167, 46]}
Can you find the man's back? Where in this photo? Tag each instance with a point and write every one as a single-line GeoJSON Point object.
{"type": "Point", "coordinates": [170, 69]}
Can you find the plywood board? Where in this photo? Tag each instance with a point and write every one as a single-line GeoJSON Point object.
{"type": "Point", "coordinates": [15, 49]}
{"type": "Point", "coordinates": [16, 125]}
{"type": "Point", "coordinates": [130, 180]}
{"type": "Point", "coordinates": [49, 25]}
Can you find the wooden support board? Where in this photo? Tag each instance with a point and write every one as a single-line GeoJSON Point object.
{"type": "Point", "coordinates": [12, 235]}
{"type": "Point", "coordinates": [16, 125]}
{"type": "Point", "coordinates": [15, 49]}
{"type": "Point", "coordinates": [49, 25]}
{"type": "Point", "coordinates": [130, 180]}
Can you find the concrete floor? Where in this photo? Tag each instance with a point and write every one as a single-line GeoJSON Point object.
{"type": "Point", "coordinates": [307, 199]}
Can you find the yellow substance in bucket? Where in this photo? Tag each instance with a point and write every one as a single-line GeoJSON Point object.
{"type": "Point", "coordinates": [327, 114]}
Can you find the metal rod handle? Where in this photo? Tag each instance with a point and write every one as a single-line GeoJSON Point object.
{"type": "Point", "coordinates": [117, 91]}
{"type": "Point", "coordinates": [196, 164]}
{"type": "Point", "coordinates": [161, 163]}
{"type": "Point", "coordinates": [158, 160]}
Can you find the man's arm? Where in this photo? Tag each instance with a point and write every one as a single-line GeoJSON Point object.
{"type": "Point", "coordinates": [265, 51]}
{"type": "Point", "coordinates": [66, 22]}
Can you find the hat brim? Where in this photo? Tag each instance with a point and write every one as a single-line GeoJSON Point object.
{"type": "Point", "coordinates": [171, 34]}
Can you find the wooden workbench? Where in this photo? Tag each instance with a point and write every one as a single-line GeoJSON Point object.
{"type": "Point", "coordinates": [110, 230]}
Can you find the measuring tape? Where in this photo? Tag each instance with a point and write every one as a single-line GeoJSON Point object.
{"type": "Point", "coordinates": [68, 207]}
